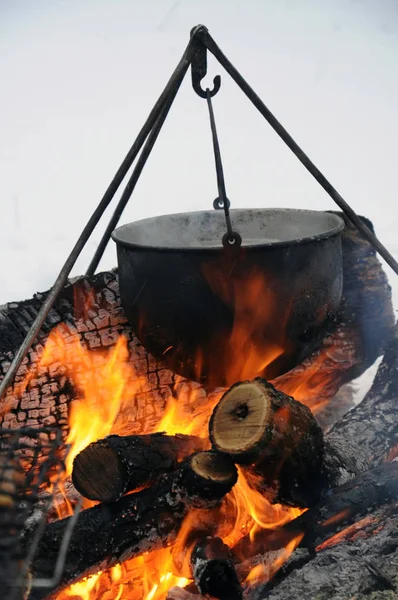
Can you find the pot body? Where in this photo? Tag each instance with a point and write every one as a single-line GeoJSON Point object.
{"type": "Point", "coordinates": [218, 316]}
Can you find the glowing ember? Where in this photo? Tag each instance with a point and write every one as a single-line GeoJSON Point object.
{"type": "Point", "coordinates": [349, 533]}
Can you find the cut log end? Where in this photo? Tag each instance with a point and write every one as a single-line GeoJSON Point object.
{"type": "Point", "coordinates": [213, 466]}
{"type": "Point", "coordinates": [98, 473]}
{"type": "Point", "coordinates": [207, 476]}
{"type": "Point", "coordinates": [241, 418]}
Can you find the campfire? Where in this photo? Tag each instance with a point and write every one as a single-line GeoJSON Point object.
{"type": "Point", "coordinates": [188, 491]}
{"type": "Point", "coordinates": [184, 427]}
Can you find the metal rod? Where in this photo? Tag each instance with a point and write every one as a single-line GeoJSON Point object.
{"type": "Point", "coordinates": [222, 193]}
{"type": "Point", "coordinates": [125, 197]}
{"type": "Point", "coordinates": [61, 558]}
{"type": "Point", "coordinates": [95, 217]}
{"type": "Point", "coordinates": [211, 45]}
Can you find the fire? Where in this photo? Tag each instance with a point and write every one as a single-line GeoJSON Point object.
{"type": "Point", "coordinates": [106, 376]}
{"type": "Point", "coordinates": [189, 411]}
{"type": "Point", "coordinates": [267, 567]}
{"type": "Point", "coordinates": [105, 384]}
{"type": "Point", "coordinates": [258, 334]}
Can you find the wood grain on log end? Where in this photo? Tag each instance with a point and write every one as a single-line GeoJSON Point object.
{"type": "Point", "coordinates": [206, 477]}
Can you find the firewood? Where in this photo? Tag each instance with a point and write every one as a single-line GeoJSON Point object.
{"type": "Point", "coordinates": [339, 570]}
{"type": "Point", "coordinates": [110, 467]}
{"type": "Point", "coordinates": [337, 509]}
{"type": "Point", "coordinates": [213, 570]}
{"type": "Point", "coordinates": [107, 534]}
{"type": "Point", "coordinates": [275, 438]}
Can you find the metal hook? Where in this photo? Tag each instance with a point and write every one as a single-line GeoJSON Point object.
{"type": "Point", "coordinates": [199, 64]}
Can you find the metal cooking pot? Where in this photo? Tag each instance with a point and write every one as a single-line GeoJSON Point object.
{"type": "Point", "coordinates": [203, 309]}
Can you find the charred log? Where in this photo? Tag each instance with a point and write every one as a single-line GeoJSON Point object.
{"type": "Point", "coordinates": [109, 468]}
{"type": "Point", "coordinates": [213, 570]}
{"type": "Point", "coordinates": [108, 534]}
{"type": "Point", "coordinates": [339, 509]}
{"type": "Point", "coordinates": [88, 310]}
{"type": "Point", "coordinates": [275, 438]}
{"type": "Point", "coordinates": [361, 564]}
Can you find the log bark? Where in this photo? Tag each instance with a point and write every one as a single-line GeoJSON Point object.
{"type": "Point", "coordinates": [150, 519]}
{"type": "Point", "coordinates": [213, 570]}
{"type": "Point", "coordinates": [88, 310]}
{"type": "Point", "coordinates": [274, 438]}
{"type": "Point", "coordinates": [110, 467]}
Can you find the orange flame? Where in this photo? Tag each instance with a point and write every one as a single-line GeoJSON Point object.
{"type": "Point", "coordinates": [266, 568]}
{"type": "Point", "coordinates": [112, 380]}
{"type": "Point", "coordinates": [258, 334]}
{"type": "Point", "coordinates": [105, 384]}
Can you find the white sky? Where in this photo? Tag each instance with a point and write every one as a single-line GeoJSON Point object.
{"type": "Point", "coordinates": [79, 77]}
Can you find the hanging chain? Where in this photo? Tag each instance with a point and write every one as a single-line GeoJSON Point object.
{"type": "Point", "coordinates": [231, 238]}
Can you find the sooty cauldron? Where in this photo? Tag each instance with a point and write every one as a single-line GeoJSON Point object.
{"type": "Point", "coordinates": [205, 310]}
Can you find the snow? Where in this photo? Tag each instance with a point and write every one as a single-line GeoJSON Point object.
{"type": "Point", "coordinates": [79, 79]}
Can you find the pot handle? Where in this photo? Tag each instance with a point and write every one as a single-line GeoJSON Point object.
{"type": "Point", "coordinates": [231, 239]}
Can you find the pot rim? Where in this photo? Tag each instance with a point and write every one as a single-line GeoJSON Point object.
{"type": "Point", "coordinates": [339, 226]}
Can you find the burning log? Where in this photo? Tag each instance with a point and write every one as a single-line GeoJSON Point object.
{"type": "Point", "coordinates": [213, 570]}
{"type": "Point", "coordinates": [359, 562]}
{"type": "Point", "coordinates": [150, 519]}
{"type": "Point", "coordinates": [274, 437]}
{"type": "Point", "coordinates": [110, 467]}
{"type": "Point", "coordinates": [354, 341]}
{"type": "Point", "coordinates": [360, 440]}
{"type": "Point", "coordinates": [338, 509]}
{"type": "Point", "coordinates": [283, 451]}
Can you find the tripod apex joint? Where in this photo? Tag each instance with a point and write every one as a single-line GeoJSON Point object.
{"type": "Point", "coordinates": [199, 63]}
